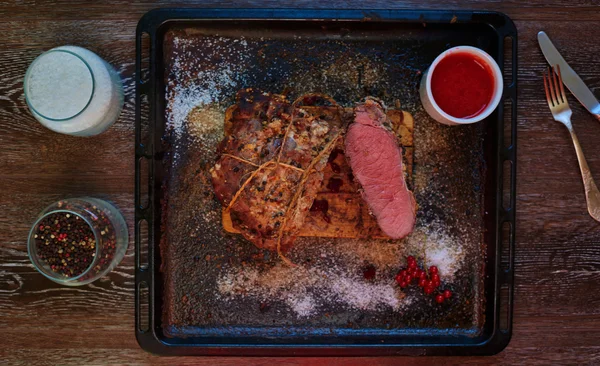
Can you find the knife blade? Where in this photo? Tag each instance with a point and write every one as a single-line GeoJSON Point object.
{"type": "Point", "coordinates": [583, 94]}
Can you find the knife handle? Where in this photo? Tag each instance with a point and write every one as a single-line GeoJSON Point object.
{"type": "Point", "coordinates": [592, 195]}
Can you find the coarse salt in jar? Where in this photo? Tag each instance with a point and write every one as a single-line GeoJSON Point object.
{"type": "Point", "coordinates": [73, 91]}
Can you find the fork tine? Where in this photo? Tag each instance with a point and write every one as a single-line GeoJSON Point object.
{"type": "Point", "coordinates": [560, 82]}
{"type": "Point", "coordinates": [551, 85]}
{"type": "Point", "coordinates": [546, 89]}
{"type": "Point", "coordinates": [556, 87]}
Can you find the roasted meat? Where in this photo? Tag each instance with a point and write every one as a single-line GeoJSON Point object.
{"type": "Point", "coordinates": [271, 162]}
{"type": "Point", "coordinates": [375, 157]}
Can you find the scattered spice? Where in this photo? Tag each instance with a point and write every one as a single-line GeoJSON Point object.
{"type": "Point", "coordinates": [264, 307]}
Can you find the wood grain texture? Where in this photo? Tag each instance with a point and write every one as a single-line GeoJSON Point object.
{"type": "Point", "coordinates": [557, 297]}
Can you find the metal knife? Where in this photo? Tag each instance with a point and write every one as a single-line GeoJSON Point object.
{"type": "Point", "coordinates": [570, 78]}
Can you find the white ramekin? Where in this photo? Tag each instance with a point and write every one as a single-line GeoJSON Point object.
{"type": "Point", "coordinates": [436, 112]}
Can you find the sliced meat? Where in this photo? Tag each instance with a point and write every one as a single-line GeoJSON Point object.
{"type": "Point", "coordinates": [375, 157]}
{"type": "Point", "coordinates": [271, 164]}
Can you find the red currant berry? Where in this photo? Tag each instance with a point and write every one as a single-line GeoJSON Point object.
{"type": "Point", "coordinates": [428, 290]}
{"type": "Point", "coordinates": [436, 283]}
{"type": "Point", "coordinates": [413, 272]}
{"type": "Point", "coordinates": [433, 270]}
{"type": "Point", "coordinates": [408, 279]}
{"type": "Point", "coordinates": [419, 272]}
{"type": "Point", "coordinates": [403, 284]}
{"type": "Point", "coordinates": [447, 294]}
{"type": "Point", "coordinates": [403, 273]}
{"type": "Point", "coordinates": [412, 265]}
{"type": "Point", "coordinates": [439, 298]}
{"type": "Point", "coordinates": [429, 283]}
{"type": "Point", "coordinates": [399, 278]}
{"type": "Point", "coordinates": [410, 259]}
{"type": "Point", "coordinates": [423, 275]}
{"type": "Point", "coordinates": [422, 282]}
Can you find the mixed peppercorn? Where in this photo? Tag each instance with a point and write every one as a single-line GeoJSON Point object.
{"type": "Point", "coordinates": [66, 242]}
{"type": "Point", "coordinates": [70, 245]}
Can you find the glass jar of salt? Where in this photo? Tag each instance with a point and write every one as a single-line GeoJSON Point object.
{"type": "Point", "coordinates": [72, 90]}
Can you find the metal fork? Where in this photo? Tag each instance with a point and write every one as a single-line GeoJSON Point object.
{"type": "Point", "coordinates": [559, 106]}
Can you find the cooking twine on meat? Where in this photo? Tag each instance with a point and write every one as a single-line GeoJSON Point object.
{"type": "Point", "coordinates": [299, 192]}
{"type": "Point", "coordinates": [292, 206]}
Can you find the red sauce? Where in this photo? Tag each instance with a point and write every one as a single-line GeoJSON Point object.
{"type": "Point", "coordinates": [462, 85]}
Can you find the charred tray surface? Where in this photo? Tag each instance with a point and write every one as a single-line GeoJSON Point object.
{"type": "Point", "coordinates": [214, 287]}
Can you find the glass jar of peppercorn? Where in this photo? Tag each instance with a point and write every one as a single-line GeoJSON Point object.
{"type": "Point", "coordinates": [76, 241]}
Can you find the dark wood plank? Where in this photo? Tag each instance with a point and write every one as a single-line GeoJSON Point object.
{"type": "Point", "coordinates": [557, 302]}
{"type": "Point", "coordinates": [583, 10]}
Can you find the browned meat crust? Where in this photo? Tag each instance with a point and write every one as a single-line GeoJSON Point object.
{"type": "Point", "coordinates": [272, 162]}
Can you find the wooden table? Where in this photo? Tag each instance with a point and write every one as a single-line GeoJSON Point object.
{"type": "Point", "coordinates": [557, 296]}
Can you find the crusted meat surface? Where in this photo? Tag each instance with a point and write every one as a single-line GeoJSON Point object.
{"type": "Point", "coordinates": [272, 161]}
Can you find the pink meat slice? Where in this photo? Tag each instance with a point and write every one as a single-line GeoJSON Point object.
{"type": "Point", "coordinates": [375, 157]}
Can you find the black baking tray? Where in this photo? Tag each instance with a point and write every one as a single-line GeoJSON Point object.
{"type": "Point", "coordinates": [493, 31]}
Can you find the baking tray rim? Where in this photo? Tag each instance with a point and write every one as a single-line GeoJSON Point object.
{"type": "Point", "coordinates": [154, 341]}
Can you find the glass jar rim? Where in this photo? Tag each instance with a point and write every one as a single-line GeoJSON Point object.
{"type": "Point", "coordinates": [31, 247]}
{"type": "Point", "coordinates": [30, 105]}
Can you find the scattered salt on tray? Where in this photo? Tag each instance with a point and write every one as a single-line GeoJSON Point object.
{"type": "Point", "coordinates": [190, 89]}
{"type": "Point", "coordinates": [197, 98]}
{"type": "Point", "coordinates": [333, 274]}
{"type": "Point", "coordinates": [438, 248]}
{"type": "Point", "coordinates": [303, 288]}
